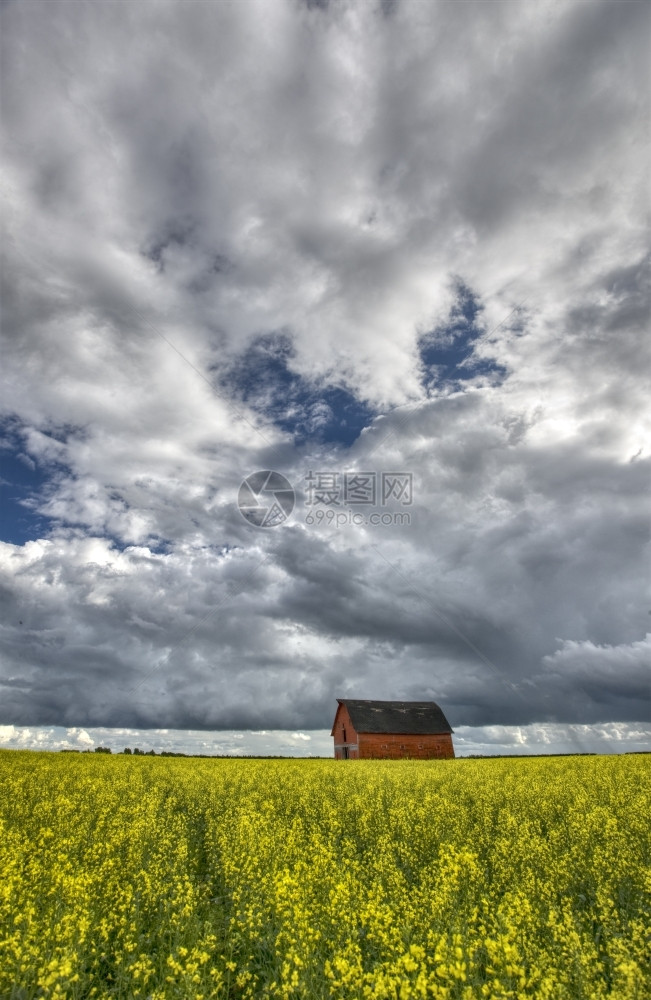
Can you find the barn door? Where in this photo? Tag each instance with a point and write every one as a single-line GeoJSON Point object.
{"type": "Point", "coordinates": [345, 753]}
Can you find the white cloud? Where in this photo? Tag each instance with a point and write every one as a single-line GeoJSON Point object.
{"type": "Point", "coordinates": [545, 739]}
{"type": "Point", "coordinates": [193, 177]}
{"type": "Point", "coordinates": [480, 740]}
{"type": "Point", "coordinates": [79, 736]}
{"type": "Point", "coordinates": [588, 656]}
{"type": "Point", "coordinates": [222, 743]}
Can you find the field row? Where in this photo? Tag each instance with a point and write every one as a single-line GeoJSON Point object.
{"type": "Point", "coordinates": [177, 878]}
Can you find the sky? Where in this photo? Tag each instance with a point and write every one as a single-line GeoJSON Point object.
{"type": "Point", "coordinates": [325, 372]}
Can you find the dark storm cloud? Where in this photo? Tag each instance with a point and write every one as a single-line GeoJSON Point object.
{"type": "Point", "coordinates": [325, 237]}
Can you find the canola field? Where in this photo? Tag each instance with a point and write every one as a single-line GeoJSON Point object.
{"type": "Point", "coordinates": [177, 878]}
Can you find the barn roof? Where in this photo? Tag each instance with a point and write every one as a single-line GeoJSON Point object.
{"type": "Point", "coordinates": [420, 718]}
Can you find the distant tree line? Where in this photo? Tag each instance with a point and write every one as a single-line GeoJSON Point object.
{"type": "Point", "coordinates": [205, 756]}
{"type": "Point", "coordinates": [276, 756]}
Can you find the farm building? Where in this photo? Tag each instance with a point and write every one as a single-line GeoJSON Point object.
{"type": "Point", "coordinates": [391, 730]}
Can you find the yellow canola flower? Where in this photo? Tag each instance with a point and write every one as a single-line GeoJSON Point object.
{"type": "Point", "coordinates": [167, 879]}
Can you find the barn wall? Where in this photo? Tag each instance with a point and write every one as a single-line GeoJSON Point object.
{"type": "Point", "coordinates": [344, 735]}
{"type": "Point", "coordinates": [396, 747]}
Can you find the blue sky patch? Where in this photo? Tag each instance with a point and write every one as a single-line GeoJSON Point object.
{"type": "Point", "coordinates": [22, 481]}
{"type": "Point", "coordinates": [447, 353]}
{"type": "Point", "coordinates": [262, 378]}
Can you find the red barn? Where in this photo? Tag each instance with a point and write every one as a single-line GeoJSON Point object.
{"type": "Point", "coordinates": [390, 730]}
